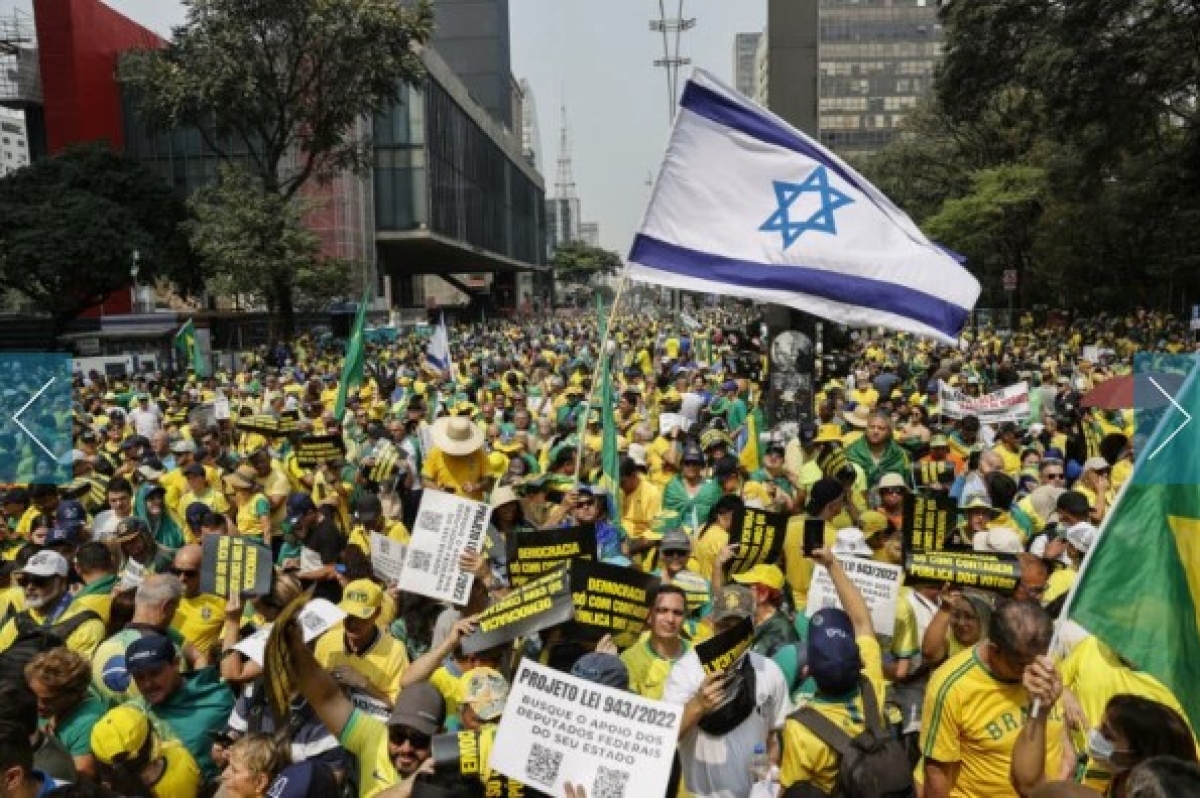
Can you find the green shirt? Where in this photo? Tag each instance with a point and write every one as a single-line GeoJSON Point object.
{"type": "Point", "coordinates": [773, 634]}
{"type": "Point", "coordinates": [193, 714]}
{"type": "Point", "coordinates": [74, 730]}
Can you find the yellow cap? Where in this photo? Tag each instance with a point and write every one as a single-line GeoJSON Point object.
{"type": "Point", "coordinates": [362, 599]}
{"type": "Point", "coordinates": [119, 735]}
{"type": "Point", "coordinates": [768, 575]}
{"type": "Point", "coordinates": [872, 522]}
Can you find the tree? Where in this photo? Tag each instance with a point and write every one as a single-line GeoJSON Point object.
{"type": "Point", "coordinates": [69, 226]}
{"type": "Point", "coordinates": [578, 262]}
{"type": "Point", "coordinates": [257, 241]}
{"type": "Point", "coordinates": [279, 87]}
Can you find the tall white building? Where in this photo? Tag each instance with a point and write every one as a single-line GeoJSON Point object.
{"type": "Point", "coordinates": [14, 144]}
{"type": "Point", "coordinates": [745, 70]}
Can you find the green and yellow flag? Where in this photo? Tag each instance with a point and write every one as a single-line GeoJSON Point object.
{"type": "Point", "coordinates": [189, 349]}
{"type": "Point", "coordinates": [610, 455]}
{"type": "Point", "coordinates": [352, 369]}
{"type": "Point", "coordinates": [1139, 589]}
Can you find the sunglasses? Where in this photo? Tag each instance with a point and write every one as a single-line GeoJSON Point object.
{"type": "Point", "coordinates": [1056, 475]}
{"type": "Point", "coordinates": [24, 580]}
{"type": "Point", "coordinates": [891, 490]}
{"type": "Point", "coordinates": [586, 503]}
{"type": "Point", "coordinates": [676, 553]}
{"type": "Point", "coordinates": [399, 735]}
{"type": "Point", "coordinates": [183, 573]}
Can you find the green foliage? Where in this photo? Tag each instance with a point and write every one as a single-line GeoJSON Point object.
{"type": "Point", "coordinates": [280, 87]}
{"type": "Point", "coordinates": [69, 226]}
{"type": "Point", "coordinates": [1061, 141]}
{"type": "Point", "coordinates": [578, 262]}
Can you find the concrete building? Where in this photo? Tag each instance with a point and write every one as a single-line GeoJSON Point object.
{"type": "Point", "coordinates": [14, 145]}
{"type": "Point", "coordinates": [850, 69]}
{"type": "Point", "coordinates": [589, 233]}
{"type": "Point", "coordinates": [745, 70]}
{"type": "Point", "coordinates": [472, 37]}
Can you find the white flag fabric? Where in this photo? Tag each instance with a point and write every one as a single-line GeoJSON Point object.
{"type": "Point", "coordinates": [438, 351]}
{"type": "Point", "coordinates": [748, 206]}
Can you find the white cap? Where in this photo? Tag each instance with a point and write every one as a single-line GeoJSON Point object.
{"type": "Point", "coordinates": [46, 563]}
{"type": "Point", "coordinates": [851, 542]}
{"type": "Point", "coordinates": [1082, 536]}
{"type": "Point", "coordinates": [637, 453]}
{"type": "Point", "coordinates": [1001, 540]}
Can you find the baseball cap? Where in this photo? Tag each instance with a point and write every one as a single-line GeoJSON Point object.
{"type": "Point", "coordinates": [808, 432]}
{"type": "Point", "coordinates": [195, 513]}
{"type": "Point", "coordinates": [776, 447]}
{"type": "Point", "coordinates": [183, 447]}
{"type": "Point", "coordinates": [606, 669]}
{"type": "Point", "coordinates": [194, 470]}
{"type": "Point", "coordinates": [1096, 464]}
{"type": "Point", "coordinates": [149, 652]}
{"type": "Point", "coordinates": [1082, 536]}
{"type": "Point", "coordinates": [1074, 503]}
{"type": "Point", "coordinates": [851, 542]}
{"type": "Point", "coordinates": [766, 575]}
{"type": "Point", "coordinates": [298, 506]}
{"type": "Point", "coordinates": [307, 779]}
{"type": "Point", "coordinates": [726, 467]}
{"type": "Point", "coordinates": [362, 599]}
{"type": "Point", "coordinates": [692, 454]}
{"type": "Point", "coordinates": [734, 601]}
{"type": "Point", "coordinates": [834, 661]}
{"type": "Point", "coordinates": [46, 563]}
{"type": "Point", "coordinates": [485, 690]}
{"type": "Point", "coordinates": [120, 734]}
{"type": "Point", "coordinates": [60, 535]}
{"type": "Point", "coordinates": [675, 540]}
{"type": "Point", "coordinates": [421, 707]}
{"type": "Point", "coordinates": [368, 508]}
{"type": "Point", "coordinates": [1001, 540]}
{"type": "Point", "coordinates": [129, 528]}
{"type": "Point", "coordinates": [70, 513]}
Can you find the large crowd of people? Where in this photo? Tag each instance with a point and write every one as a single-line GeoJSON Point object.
{"type": "Point", "coordinates": [121, 676]}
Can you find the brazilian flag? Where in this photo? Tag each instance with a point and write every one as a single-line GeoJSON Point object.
{"type": "Point", "coordinates": [189, 349]}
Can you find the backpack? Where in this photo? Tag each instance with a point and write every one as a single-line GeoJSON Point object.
{"type": "Point", "coordinates": [34, 638]}
{"type": "Point", "coordinates": [873, 764]}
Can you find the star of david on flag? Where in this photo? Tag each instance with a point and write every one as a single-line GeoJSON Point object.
{"type": "Point", "coordinates": [821, 220]}
{"type": "Point", "coordinates": [746, 205]}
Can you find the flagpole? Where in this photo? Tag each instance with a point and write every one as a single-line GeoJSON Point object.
{"type": "Point", "coordinates": [601, 364]}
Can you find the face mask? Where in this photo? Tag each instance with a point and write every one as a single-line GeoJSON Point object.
{"type": "Point", "coordinates": [1100, 750]}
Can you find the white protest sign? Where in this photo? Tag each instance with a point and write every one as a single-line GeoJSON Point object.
{"type": "Point", "coordinates": [221, 410]}
{"type": "Point", "coordinates": [446, 526]}
{"type": "Point", "coordinates": [132, 575]}
{"type": "Point", "coordinates": [558, 728]}
{"type": "Point", "coordinates": [317, 618]}
{"type": "Point", "coordinates": [669, 422]}
{"type": "Point", "coordinates": [879, 583]}
{"type": "Point", "coordinates": [387, 558]}
{"type": "Point", "coordinates": [1006, 404]}
{"type": "Point", "coordinates": [309, 560]}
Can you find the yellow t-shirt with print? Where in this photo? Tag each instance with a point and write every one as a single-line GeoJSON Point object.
{"type": "Point", "coordinates": [396, 530]}
{"type": "Point", "coordinates": [648, 671]}
{"type": "Point", "coordinates": [382, 664]}
{"type": "Point", "coordinates": [249, 516]}
{"type": "Point", "coordinates": [367, 739]}
{"type": "Point", "coordinates": [1010, 460]}
{"type": "Point", "coordinates": [972, 718]}
{"type": "Point", "coordinates": [200, 620]}
{"type": "Point", "coordinates": [704, 553]}
{"type": "Point", "coordinates": [640, 508]}
{"type": "Point", "coordinates": [805, 757]}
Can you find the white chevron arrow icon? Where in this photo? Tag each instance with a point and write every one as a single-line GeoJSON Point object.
{"type": "Point", "coordinates": [17, 419]}
{"type": "Point", "coordinates": [1187, 417]}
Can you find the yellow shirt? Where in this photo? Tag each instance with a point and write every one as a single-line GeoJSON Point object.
{"type": "Point", "coordinates": [798, 569]}
{"type": "Point", "coordinates": [367, 739]}
{"type": "Point", "coordinates": [640, 508]}
{"type": "Point", "coordinates": [83, 640]}
{"type": "Point", "coordinates": [274, 485]}
{"type": "Point", "coordinates": [213, 499]}
{"type": "Point", "coordinates": [973, 719]}
{"type": "Point", "coordinates": [450, 686]}
{"type": "Point", "coordinates": [396, 530]}
{"type": "Point", "coordinates": [805, 757]}
{"type": "Point", "coordinates": [200, 619]}
{"type": "Point", "coordinates": [648, 671]}
{"type": "Point", "coordinates": [451, 473]}
{"type": "Point", "coordinates": [249, 515]}
{"type": "Point", "coordinates": [1059, 583]}
{"type": "Point", "coordinates": [1011, 460]}
{"type": "Point", "coordinates": [12, 600]}
{"type": "Point", "coordinates": [704, 553]}
{"type": "Point", "coordinates": [382, 664]}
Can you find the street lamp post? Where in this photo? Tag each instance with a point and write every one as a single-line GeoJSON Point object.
{"type": "Point", "coordinates": [133, 272]}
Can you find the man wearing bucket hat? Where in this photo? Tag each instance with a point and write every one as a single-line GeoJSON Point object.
{"type": "Point", "coordinates": [457, 463]}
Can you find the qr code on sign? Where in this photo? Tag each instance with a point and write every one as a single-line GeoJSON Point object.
{"type": "Point", "coordinates": [610, 783]}
{"type": "Point", "coordinates": [430, 522]}
{"type": "Point", "coordinates": [543, 764]}
{"type": "Point", "coordinates": [421, 560]}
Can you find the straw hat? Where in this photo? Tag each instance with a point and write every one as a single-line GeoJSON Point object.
{"type": "Point", "coordinates": [457, 436]}
{"type": "Point", "coordinates": [504, 495]}
{"type": "Point", "coordinates": [859, 416]}
{"type": "Point", "coordinates": [245, 477]}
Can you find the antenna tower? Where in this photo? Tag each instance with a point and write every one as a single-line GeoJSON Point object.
{"type": "Point", "coordinates": [672, 29]}
{"type": "Point", "coordinates": [565, 185]}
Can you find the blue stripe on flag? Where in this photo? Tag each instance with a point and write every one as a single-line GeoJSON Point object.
{"type": "Point", "coordinates": [848, 289]}
{"type": "Point", "coordinates": [745, 119]}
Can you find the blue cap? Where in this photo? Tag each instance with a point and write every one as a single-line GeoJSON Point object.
{"type": "Point", "coordinates": [298, 506]}
{"type": "Point", "coordinates": [308, 779]}
{"type": "Point", "coordinates": [70, 513]}
{"type": "Point", "coordinates": [195, 513]}
{"type": "Point", "coordinates": [149, 652]}
{"type": "Point", "coordinates": [834, 661]}
{"type": "Point", "coordinates": [63, 535]}
{"type": "Point", "coordinates": [606, 669]}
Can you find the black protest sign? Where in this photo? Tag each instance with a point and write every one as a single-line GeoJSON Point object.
{"type": "Point", "coordinates": [235, 565]}
{"type": "Point", "coordinates": [1000, 573]}
{"type": "Point", "coordinates": [314, 450]}
{"type": "Point", "coordinates": [928, 522]}
{"type": "Point", "coordinates": [533, 553]}
{"type": "Point", "coordinates": [721, 651]}
{"type": "Point", "coordinates": [269, 426]}
{"type": "Point", "coordinates": [537, 605]}
{"type": "Point", "coordinates": [759, 537]}
{"type": "Point", "coordinates": [462, 756]}
{"type": "Point", "coordinates": [610, 599]}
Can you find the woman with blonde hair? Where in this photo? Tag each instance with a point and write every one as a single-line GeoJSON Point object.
{"type": "Point", "coordinates": [254, 762]}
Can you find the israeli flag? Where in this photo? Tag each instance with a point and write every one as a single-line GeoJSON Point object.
{"type": "Point", "coordinates": [438, 351]}
{"type": "Point", "coordinates": [746, 205]}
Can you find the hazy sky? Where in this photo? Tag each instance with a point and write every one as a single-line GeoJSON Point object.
{"type": "Point", "coordinates": [598, 59]}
